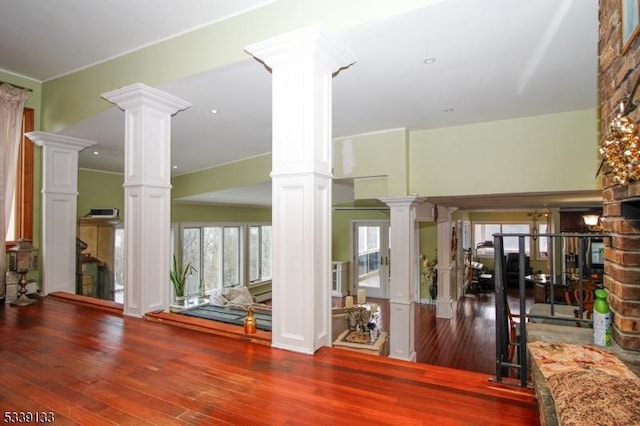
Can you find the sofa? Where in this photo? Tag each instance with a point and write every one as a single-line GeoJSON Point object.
{"type": "Point", "coordinates": [512, 269]}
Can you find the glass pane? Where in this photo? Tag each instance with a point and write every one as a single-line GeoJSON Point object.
{"type": "Point", "coordinates": [118, 265]}
{"type": "Point", "coordinates": [511, 243]}
{"type": "Point", "coordinates": [191, 254]}
{"type": "Point", "coordinates": [373, 238]}
{"type": "Point", "coordinates": [543, 242]}
{"type": "Point", "coordinates": [254, 253]}
{"type": "Point", "coordinates": [362, 239]}
{"type": "Point", "coordinates": [211, 258]}
{"type": "Point", "coordinates": [362, 264]}
{"type": "Point", "coordinates": [266, 252]}
{"type": "Point", "coordinates": [231, 256]}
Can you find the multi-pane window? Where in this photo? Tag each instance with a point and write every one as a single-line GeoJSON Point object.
{"type": "Point", "coordinates": [483, 233]}
{"type": "Point", "coordinates": [259, 253]}
{"type": "Point", "coordinates": [217, 253]}
{"type": "Point", "coordinates": [214, 252]}
{"type": "Point", "coordinates": [543, 242]}
{"type": "Point", "coordinates": [368, 249]}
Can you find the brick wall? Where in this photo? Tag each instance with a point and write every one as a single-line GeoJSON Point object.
{"type": "Point", "coordinates": [619, 69]}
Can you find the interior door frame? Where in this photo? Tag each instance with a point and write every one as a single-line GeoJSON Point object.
{"type": "Point", "coordinates": [384, 272]}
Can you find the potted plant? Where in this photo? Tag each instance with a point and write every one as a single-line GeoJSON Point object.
{"type": "Point", "coordinates": [178, 276]}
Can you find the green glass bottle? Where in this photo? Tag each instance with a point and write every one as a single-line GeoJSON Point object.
{"type": "Point", "coordinates": [601, 319]}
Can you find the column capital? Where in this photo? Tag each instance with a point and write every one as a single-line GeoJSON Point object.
{"type": "Point", "coordinates": [303, 44]}
{"type": "Point", "coordinates": [59, 141]}
{"type": "Point", "coordinates": [139, 94]}
{"type": "Point", "coordinates": [403, 201]}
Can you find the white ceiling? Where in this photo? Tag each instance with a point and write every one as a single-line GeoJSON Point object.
{"type": "Point", "coordinates": [494, 59]}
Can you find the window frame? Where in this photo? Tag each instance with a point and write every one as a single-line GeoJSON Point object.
{"type": "Point", "coordinates": [24, 182]}
{"type": "Point", "coordinates": [262, 279]}
{"type": "Point", "coordinates": [243, 249]}
{"type": "Point", "coordinates": [532, 246]}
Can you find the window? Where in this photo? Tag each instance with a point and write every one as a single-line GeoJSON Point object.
{"type": "Point", "coordinates": [259, 253]}
{"type": "Point", "coordinates": [483, 233]}
{"type": "Point", "coordinates": [215, 251]}
{"type": "Point", "coordinates": [21, 221]}
{"type": "Point", "coordinates": [368, 249]}
{"type": "Point", "coordinates": [543, 243]}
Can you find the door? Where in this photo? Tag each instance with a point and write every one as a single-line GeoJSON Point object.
{"type": "Point", "coordinates": [371, 257]}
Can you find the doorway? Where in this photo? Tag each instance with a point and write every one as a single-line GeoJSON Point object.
{"type": "Point", "coordinates": [371, 256]}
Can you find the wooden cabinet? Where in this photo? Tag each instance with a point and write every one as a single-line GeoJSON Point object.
{"type": "Point", "coordinates": [571, 222]}
{"type": "Point", "coordinates": [96, 261]}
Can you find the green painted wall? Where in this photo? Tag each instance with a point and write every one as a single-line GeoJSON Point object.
{"type": "Point", "coordinates": [76, 97]}
{"type": "Point", "coordinates": [210, 213]}
{"type": "Point", "coordinates": [341, 229]}
{"type": "Point", "coordinates": [99, 190]}
{"type": "Point", "coordinates": [380, 158]}
{"type": "Point", "coordinates": [241, 173]}
{"type": "Point", "coordinates": [428, 236]}
{"type": "Point", "coordinates": [555, 152]}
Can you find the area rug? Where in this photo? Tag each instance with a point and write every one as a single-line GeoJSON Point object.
{"type": "Point", "coordinates": [229, 315]}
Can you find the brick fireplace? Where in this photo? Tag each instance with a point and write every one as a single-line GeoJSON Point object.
{"type": "Point", "coordinates": [619, 69]}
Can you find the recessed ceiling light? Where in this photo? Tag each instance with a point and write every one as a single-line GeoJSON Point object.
{"type": "Point", "coordinates": [175, 167]}
{"type": "Point", "coordinates": [95, 153]}
{"type": "Point", "coordinates": [214, 111]}
{"type": "Point", "coordinates": [429, 61]}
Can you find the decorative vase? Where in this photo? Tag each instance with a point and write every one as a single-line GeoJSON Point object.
{"type": "Point", "coordinates": [433, 290]}
{"type": "Point", "coordinates": [250, 322]}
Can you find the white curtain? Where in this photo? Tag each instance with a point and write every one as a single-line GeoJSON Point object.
{"type": "Point", "coordinates": [12, 102]}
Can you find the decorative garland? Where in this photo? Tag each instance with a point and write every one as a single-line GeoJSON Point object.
{"type": "Point", "coordinates": [621, 149]}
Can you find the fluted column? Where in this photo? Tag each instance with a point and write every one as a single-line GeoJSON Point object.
{"type": "Point", "coordinates": [147, 191]}
{"type": "Point", "coordinates": [302, 64]}
{"type": "Point", "coordinates": [59, 209]}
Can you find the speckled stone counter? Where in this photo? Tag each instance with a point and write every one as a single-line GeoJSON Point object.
{"type": "Point", "coordinates": [549, 333]}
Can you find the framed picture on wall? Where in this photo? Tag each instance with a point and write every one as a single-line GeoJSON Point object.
{"type": "Point", "coordinates": [630, 20]}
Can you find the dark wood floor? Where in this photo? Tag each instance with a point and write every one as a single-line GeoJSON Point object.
{"type": "Point", "coordinates": [465, 342]}
{"type": "Point", "coordinates": [89, 365]}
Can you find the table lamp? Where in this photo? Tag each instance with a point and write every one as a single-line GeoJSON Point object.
{"type": "Point", "coordinates": [23, 257]}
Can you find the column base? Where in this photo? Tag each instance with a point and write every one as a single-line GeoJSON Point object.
{"type": "Point", "coordinates": [445, 309]}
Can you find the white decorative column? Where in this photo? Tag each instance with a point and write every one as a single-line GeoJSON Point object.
{"type": "Point", "coordinates": [147, 191]}
{"type": "Point", "coordinates": [59, 209]}
{"type": "Point", "coordinates": [302, 64]}
{"type": "Point", "coordinates": [445, 306]}
{"type": "Point", "coordinates": [404, 258]}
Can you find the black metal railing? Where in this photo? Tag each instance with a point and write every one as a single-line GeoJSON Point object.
{"type": "Point", "coordinates": [573, 260]}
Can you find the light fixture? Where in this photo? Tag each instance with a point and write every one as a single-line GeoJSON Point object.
{"type": "Point", "coordinates": [214, 111]}
{"type": "Point", "coordinates": [96, 153]}
{"type": "Point", "coordinates": [591, 219]}
{"type": "Point", "coordinates": [23, 257]}
{"type": "Point", "coordinates": [535, 215]}
{"type": "Point", "coordinates": [429, 61]}
{"type": "Point", "coordinates": [448, 110]}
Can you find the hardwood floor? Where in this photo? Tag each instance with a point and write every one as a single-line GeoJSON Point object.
{"type": "Point", "coordinates": [92, 365]}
